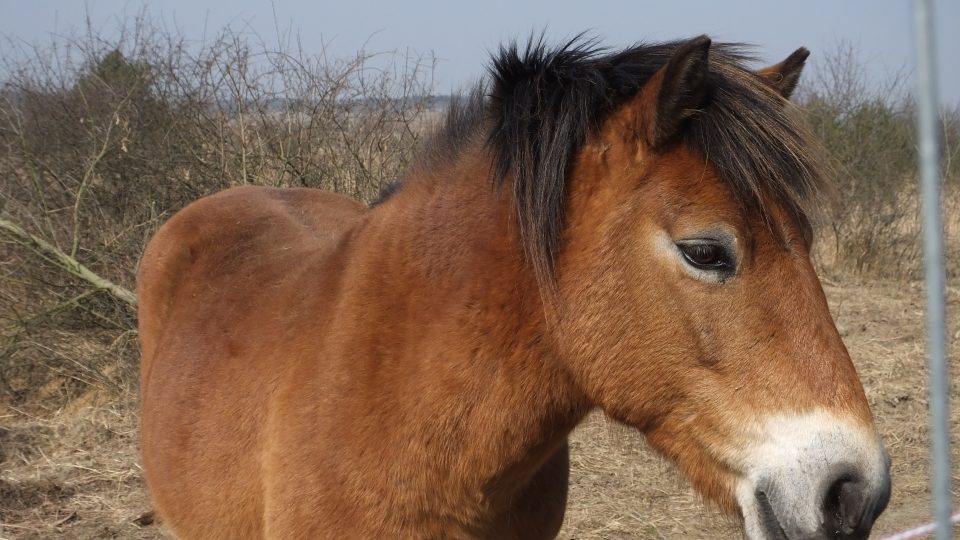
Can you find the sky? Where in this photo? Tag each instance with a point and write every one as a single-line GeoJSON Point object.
{"type": "Point", "coordinates": [461, 35]}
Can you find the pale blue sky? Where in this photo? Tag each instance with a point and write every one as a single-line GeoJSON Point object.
{"type": "Point", "coordinates": [461, 34]}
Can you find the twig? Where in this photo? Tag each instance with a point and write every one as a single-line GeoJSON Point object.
{"type": "Point", "coordinates": [85, 182]}
{"type": "Point", "coordinates": [68, 263]}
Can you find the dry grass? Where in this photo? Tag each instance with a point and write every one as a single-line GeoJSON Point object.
{"type": "Point", "coordinates": [887, 247]}
{"type": "Point", "coordinates": [72, 471]}
{"type": "Point", "coordinates": [68, 459]}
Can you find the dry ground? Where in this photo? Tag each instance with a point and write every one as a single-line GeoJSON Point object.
{"type": "Point", "coordinates": [73, 473]}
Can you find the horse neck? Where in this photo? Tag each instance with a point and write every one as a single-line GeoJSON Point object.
{"type": "Point", "coordinates": [467, 336]}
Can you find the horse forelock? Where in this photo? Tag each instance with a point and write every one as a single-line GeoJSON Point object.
{"type": "Point", "coordinates": [538, 108]}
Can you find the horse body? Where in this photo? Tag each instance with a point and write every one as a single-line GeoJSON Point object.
{"type": "Point", "coordinates": [335, 383]}
{"type": "Point", "coordinates": [313, 368]}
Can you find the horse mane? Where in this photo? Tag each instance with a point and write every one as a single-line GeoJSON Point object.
{"type": "Point", "coordinates": [541, 104]}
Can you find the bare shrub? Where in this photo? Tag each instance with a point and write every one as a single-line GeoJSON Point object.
{"type": "Point", "coordinates": [868, 130]}
{"type": "Point", "coordinates": [102, 140]}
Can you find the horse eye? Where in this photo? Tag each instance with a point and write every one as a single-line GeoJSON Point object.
{"type": "Point", "coordinates": [709, 256]}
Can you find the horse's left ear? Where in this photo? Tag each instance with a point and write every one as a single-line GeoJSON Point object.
{"type": "Point", "coordinates": [783, 77]}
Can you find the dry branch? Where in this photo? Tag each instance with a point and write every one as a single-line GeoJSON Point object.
{"type": "Point", "coordinates": [66, 262]}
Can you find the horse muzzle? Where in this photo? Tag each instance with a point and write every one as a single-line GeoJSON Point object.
{"type": "Point", "coordinates": [813, 477]}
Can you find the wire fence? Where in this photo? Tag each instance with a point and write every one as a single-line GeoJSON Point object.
{"type": "Point", "coordinates": [921, 531]}
{"type": "Point", "coordinates": [934, 269]}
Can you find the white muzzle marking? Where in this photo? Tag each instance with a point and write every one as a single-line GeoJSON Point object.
{"type": "Point", "coordinates": [793, 463]}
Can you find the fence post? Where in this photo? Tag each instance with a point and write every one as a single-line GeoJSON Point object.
{"type": "Point", "coordinates": [935, 271]}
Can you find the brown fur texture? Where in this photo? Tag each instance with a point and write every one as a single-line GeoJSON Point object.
{"type": "Point", "coordinates": [314, 369]}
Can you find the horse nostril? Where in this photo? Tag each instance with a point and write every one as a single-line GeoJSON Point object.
{"type": "Point", "coordinates": [832, 514]}
{"type": "Point", "coordinates": [850, 509]}
{"type": "Point", "coordinates": [852, 503]}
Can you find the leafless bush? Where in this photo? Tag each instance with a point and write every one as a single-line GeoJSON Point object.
{"type": "Point", "coordinates": [102, 140]}
{"type": "Point", "coordinates": [868, 131]}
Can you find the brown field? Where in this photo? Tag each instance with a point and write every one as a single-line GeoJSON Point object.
{"type": "Point", "coordinates": [73, 472]}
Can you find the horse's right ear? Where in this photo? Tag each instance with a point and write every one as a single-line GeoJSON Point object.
{"type": "Point", "coordinates": [676, 92]}
{"type": "Point", "coordinates": [783, 77]}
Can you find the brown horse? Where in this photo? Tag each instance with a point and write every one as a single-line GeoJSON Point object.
{"type": "Point", "coordinates": [625, 230]}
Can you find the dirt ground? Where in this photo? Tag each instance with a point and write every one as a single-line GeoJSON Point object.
{"type": "Point", "coordinates": [73, 472]}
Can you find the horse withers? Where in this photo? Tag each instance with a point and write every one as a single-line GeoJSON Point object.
{"type": "Point", "coordinates": [628, 230]}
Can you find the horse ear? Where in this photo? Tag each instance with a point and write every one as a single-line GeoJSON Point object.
{"type": "Point", "coordinates": [675, 92]}
{"type": "Point", "coordinates": [783, 77]}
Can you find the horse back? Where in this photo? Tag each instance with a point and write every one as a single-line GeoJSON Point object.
{"type": "Point", "coordinates": [232, 243]}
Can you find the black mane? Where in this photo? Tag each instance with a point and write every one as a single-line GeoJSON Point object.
{"type": "Point", "coordinates": [540, 105]}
